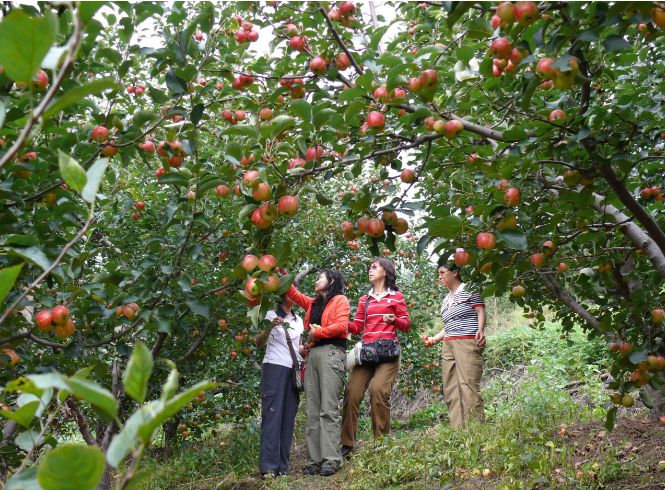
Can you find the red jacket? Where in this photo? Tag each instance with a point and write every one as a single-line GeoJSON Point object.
{"type": "Point", "coordinates": [335, 318]}
{"type": "Point", "coordinates": [376, 328]}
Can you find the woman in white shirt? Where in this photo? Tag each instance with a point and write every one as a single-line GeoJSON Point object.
{"type": "Point", "coordinates": [279, 397]}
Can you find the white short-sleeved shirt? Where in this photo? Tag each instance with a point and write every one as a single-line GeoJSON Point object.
{"type": "Point", "coordinates": [277, 350]}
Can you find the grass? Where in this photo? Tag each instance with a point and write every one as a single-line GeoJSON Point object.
{"type": "Point", "coordinates": [538, 433]}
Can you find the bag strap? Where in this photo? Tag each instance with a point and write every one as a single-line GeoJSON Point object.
{"type": "Point", "coordinates": [294, 358]}
{"type": "Point", "coordinates": [365, 320]}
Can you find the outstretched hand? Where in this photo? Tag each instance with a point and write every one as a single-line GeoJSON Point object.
{"type": "Point", "coordinates": [429, 341]}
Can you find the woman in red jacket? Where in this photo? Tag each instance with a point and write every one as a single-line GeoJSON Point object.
{"type": "Point", "coordinates": [327, 321]}
{"type": "Point", "coordinates": [379, 315]}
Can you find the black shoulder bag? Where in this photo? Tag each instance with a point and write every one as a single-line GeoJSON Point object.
{"type": "Point", "coordinates": [297, 370]}
{"type": "Point", "coordinates": [382, 350]}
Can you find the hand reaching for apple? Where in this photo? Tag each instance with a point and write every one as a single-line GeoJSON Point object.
{"type": "Point", "coordinates": [429, 341]}
{"type": "Point", "coordinates": [311, 338]}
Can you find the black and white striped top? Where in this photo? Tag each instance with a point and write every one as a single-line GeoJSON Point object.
{"type": "Point", "coordinates": [458, 312]}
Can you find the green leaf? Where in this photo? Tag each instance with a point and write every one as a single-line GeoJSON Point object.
{"type": "Point", "coordinates": [529, 90]}
{"type": "Point", "coordinates": [8, 277]}
{"type": "Point", "coordinates": [94, 394]}
{"type": "Point", "coordinates": [76, 94]}
{"type": "Point", "coordinates": [26, 480]}
{"type": "Point", "coordinates": [72, 172]}
{"type": "Point", "coordinates": [25, 42]}
{"type": "Point", "coordinates": [323, 200]}
{"type": "Point", "coordinates": [514, 240]}
{"type": "Point", "coordinates": [302, 109]}
{"type": "Point", "coordinates": [27, 440]}
{"type": "Point", "coordinates": [34, 255]}
{"type": "Point", "coordinates": [615, 43]}
{"type": "Point", "coordinates": [241, 130]}
{"type": "Point", "coordinates": [281, 123]}
{"type": "Point", "coordinates": [71, 467]}
{"type": "Point", "coordinates": [174, 83]}
{"type": "Point", "coordinates": [445, 226]}
{"type": "Point", "coordinates": [141, 425]}
{"type": "Point", "coordinates": [94, 177]}
{"type": "Point", "coordinates": [174, 178]}
{"type": "Point", "coordinates": [170, 386]}
{"type": "Point", "coordinates": [611, 416]}
{"type": "Point", "coordinates": [22, 415]}
{"type": "Point", "coordinates": [479, 28]}
{"type": "Point", "coordinates": [137, 374]}
{"type": "Point", "coordinates": [197, 113]}
{"type": "Point", "coordinates": [199, 308]}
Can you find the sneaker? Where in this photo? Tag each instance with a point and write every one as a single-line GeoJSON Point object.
{"type": "Point", "coordinates": [310, 470]}
{"type": "Point", "coordinates": [346, 451]}
{"type": "Point", "coordinates": [268, 476]}
{"type": "Point", "coordinates": [328, 471]}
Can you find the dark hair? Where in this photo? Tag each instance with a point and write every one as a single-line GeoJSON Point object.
{"type": "Point", "coordinates": [335, 287]}
{"type": "Point", "coordinates": [451, 266]}
{"type": "Point", "coordinates": [389, 267]}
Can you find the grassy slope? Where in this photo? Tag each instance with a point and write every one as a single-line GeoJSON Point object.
{"type": "Point", "coordinates": [540, 432]}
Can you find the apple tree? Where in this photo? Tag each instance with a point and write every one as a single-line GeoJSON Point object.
{"type": "Point", "coordinates": [147, 151]}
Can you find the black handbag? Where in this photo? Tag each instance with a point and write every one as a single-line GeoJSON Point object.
{"type": "Point", "coordinates": [298, 367]}
{"type": "Point", "coordinates": [383, 350]}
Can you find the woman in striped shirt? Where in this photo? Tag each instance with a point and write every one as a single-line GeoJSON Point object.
{"type": "Point", "coordinates": [463, 335]}
{"type": "Point", "coordinates": [386, 313]}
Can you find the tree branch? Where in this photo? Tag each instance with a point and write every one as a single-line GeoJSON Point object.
{"type": "Point", "coordinates": [55, 263]}
{"type": "Point", "coordinates": [339, 41]}
{"type": "Point", "coordinates": [57, 82]}
{"type": "Point", "coordinates": [81, 421]}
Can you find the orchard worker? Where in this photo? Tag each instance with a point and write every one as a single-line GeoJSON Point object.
{"type": "Point", "coordinates": [380, 314]}
{"type": "Point", "coordinates": [279, 396]}
{"type": "Point", "coordinates": [327, 321]}
{"type": "Point", "coordinates": [463, 335]}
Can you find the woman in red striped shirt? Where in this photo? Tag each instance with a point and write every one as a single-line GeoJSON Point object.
{"type": "Point", "coordinates": [380, 313]}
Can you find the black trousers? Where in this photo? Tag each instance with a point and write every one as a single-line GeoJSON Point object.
{"type": "Point", "coordinates": [279, 404]}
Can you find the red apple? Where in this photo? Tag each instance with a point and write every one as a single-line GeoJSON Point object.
{"type": "Point", "coordinates": [550, 247]}
{"type": "Point", "coordinates": [486, 240]}
{"type": "Point", "coordinates": [267, 263]}
{"type": "Point", "coordinates": [452, 128]}
{"type": "Point", "coordinates": [271, 284]}
{"type": "Point", "coordinates": [408, 176]}
{"type": "Point", "coordinates": [297, 43]}
{"type": "Point", "coordinates": [291, 30]}
{"type": "Point", "coordinates": [545, 69]}
{"type": "Point", "coordinates": [505, 11]}
{"type": "Point", "coordinates": [526, 12]}
{"type": "Point", "coordinates": [501, 47]}
{"type": "Point", "coordinates": [288, 205]}
{"type": "Point", "coordinates": [375, 227]}
{"type": "Point", "coordinates": [342, 61]}
{"type": "Point", "coordinates": [148, 147]}
{"type": "Point", "coordinates": [60, 314]}
{"type": "Point", "coordinates": [314, 153]}
{"type": "Point", "coordinates": [318, 65]}
{"type": "Point", "coordinates": [657, 315]}
{"type": "Point", "coordinates": [222, 190]}
{"type": "Point", "coordinates": [562, 267]}
{"type": "Point", "coordinates": [347, 9]}
{"type": "Point", "coordinates": [512, 197]}
{"type": "Point", "coordinates": [262, 192]}
{"type": "Point", "coordinates": [557, 115]}
{"type": "Point", "coordinates": [461, 257]}
{"type": "Point", "coordinates": [249, 263]}
{"type": "Point", "coordinates": [265, 114]}
{"type": "Point", "coordinates": [538, 259]}
{"type": "Point", "coordinates": [99, 134]}
{"type": "Point", "coordinates": [429, 78]}
{"type": "Point", "coordinates": [140, 205]}
{"type": "Point", "coordinates": [376, 120]}
{"type": "Point", "coordinates": [251, 178]}
{"type": "Point", "coordinates": [44, 320]}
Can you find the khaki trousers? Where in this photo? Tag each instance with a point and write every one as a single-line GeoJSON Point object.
{"type": "Point", "coordinates": [462, 369]}
{"type": "Point", "coordinates": [382, 377]}
{"type": "Point", "coordinates": [324, 381]}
